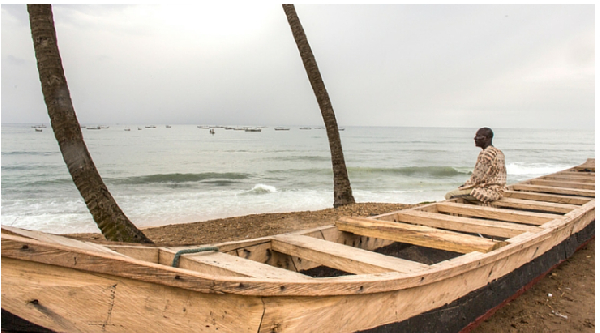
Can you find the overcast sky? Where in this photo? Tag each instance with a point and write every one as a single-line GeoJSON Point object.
{"type": "Point", "coordinates": [512, 66]}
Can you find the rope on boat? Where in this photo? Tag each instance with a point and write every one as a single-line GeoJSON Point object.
{"type": "Point", "coordinates": [186, 251]}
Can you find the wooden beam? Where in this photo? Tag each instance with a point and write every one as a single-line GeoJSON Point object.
{"type": "Point", "coordinates": [534, 205]}
{"type": "Point", "coordinates": [577, 173]}
{"type": "Point", "coordinates": [145, 253]}
{"type": "Point", "coordinates": [507, 215]}
{"type": "Point", "coordinates": [345, 258]}
{"type": "Point", "coordinates": [590, 164]}
{"type": "Point", "coordinates": [218, 263]}
{"type": "Point", "coordinates": [563, 199]}
{"type": "Point", "coordinates": [556, 190]}
{"type": "Point", "coordinates": [56, 239]}
{"type": "Point", "coordinates": [573, 178]}
{"type": "Point", "coordinates": [558, 183]}
{"type": "Point", "coordinates": [464, 224]}
{"type": "Point", "coordinates": [418, 235]}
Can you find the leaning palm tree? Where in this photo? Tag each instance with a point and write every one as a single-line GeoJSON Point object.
{"type": "Point", "coordinates": [110, 218]}
{"type": "Point", "coordinates": [342, 191]}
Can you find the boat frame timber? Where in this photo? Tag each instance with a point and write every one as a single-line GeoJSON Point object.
{"type": "Point", "coordinates": [258, 285]}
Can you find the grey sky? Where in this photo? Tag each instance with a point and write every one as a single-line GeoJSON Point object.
{"type": "Point", "coordinates": [383, 65]}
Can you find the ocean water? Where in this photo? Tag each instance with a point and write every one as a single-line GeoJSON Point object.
{"type": "Point", "coordinates": [183, 174]}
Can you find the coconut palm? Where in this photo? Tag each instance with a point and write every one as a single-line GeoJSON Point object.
{"type": "Point", "coordinates": [110, 218]}
{"type": "Point", "coordinates": [342, 191]}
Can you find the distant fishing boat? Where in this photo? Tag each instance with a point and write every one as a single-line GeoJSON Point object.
{"type": "Point", "coordinates": [127, 129]}
{"type": "Point", "coordinates": [341, 129]}
{"type": "Point", "coordinates": [282, 129]}
{"type": "Point", "coordinates": [168, 126]}
{"type": "Point", "coordinates": [94, 128]}
{"type": "Point", "coordinates": [305, 128]}
{"type": "Point", "coordinates": [38, 129]}
{"type": "Point", "coordinates": [151, 126]}
{"type": "Point", "coordinates": [212, 131]}
{"type": "Point", "coordinates": [39, 126]}
{"type": "Point", "coordinates": [252, 130]}
{"type": "Point", "coordinates": [139, 128]}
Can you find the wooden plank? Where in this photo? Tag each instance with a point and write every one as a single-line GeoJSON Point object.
{"type": "Point", "coordinates": [534, 205]}
{"type": "Point", "coordinates": [576, 173]}
{"type": "Point", "coordinates": [418, 235]}
{"type": "Point", "coordinates": [345, 258]}
{"type": "Point", "coordinates": [508, 215]}
{"type": "Point", "coordinates": [558, 183]}
{"type": "Point", "coordinates": [571, 178]}
{"type": "Point", "coordinates": [222, 264]}
{"type": "Point", "coordinates": [149, 254]}
{"type": "Point", "coordinates": [590, 164]}
{"type": "Point", "coordinates": [563, 199]}
{"type": "Point", "coordinates": [464, 224]}
{"type": "Point", "coordinates": [557, 190]}
{"type": "Point", "coordinates": [72, 300]}
{"type": "Point", "coordinates": [56, 239]}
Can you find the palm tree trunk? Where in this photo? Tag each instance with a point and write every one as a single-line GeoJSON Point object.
{"type": "Point", "coordinates": [342, 191]}
{"type": "Point", "coordinates": [110, 218]}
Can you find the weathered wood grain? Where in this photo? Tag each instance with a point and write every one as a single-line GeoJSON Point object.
{"type": "Point", "coordinates": [567, 184]}
{"type": "Point", "coordinates": [534, 205]}
{"type": "Point", "coordinates": [563, 199]}
{"type": "Point", "coordinates": [509, 215]}
{"type": "Point", "coordinates": [70, 300]}
{"type": "Point", "coordinates": [348, 259]}
{"type": "Point", "coordinates": [570, 178]}
{"type": "Point", "coordinates": [418, 235]}
{"type": "Point", "coordinates": [464, 224]}
{"type": "Point", "coordinates": [217, 263]}
{"type": "Point", "coordinates": [556, 190]}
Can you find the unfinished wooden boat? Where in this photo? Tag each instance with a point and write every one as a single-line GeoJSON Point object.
{"type": "Point", "coordinates": [435, 268]}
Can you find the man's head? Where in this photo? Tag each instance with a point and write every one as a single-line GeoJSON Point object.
{"type": "Point", "coordinates": [483, 137]}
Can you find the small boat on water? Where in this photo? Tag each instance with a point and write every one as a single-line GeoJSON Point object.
{"type": "Point", "coordinates": [282, 129]}
{"type": "Point", "coordinates": [38, 129]}
{"type": "Point", "coordinates": [127, 129]}
{"type": "Point", "coordinates": [168, 126]}
{"type": "Point", "coordinates": [151, 126]}
{"type": "Point", "coordinates": [252, 130]}
{"type": "Point", "coordinates": [437, 267]}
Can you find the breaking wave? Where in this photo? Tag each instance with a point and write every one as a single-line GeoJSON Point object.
{"type": "Point", "coordinates": [421, 171]}
{"type": "Point", "coordinates": [175, 178]}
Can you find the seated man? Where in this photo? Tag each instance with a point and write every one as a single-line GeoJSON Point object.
{"type": "Point", "coordinates": [488, 180]}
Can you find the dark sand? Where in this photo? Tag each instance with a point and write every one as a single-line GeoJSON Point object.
{"type": "Point", "coordinates": [570, 308]}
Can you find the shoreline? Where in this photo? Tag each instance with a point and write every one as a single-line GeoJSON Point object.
{"type": "Point", "coordinates": [250, 226]}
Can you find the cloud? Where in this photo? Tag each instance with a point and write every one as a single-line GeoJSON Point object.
{"type": "Point", "coordinates": [396, 65]}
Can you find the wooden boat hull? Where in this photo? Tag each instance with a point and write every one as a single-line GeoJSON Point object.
{"type": "Point", "coordinates": [66, 286]}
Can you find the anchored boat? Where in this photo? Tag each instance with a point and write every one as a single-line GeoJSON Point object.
{"type": "Point", "coordinates": [439, 267]}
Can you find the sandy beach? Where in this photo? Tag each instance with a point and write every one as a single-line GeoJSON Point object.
{"type": "Point", "coordinates": [563, 301]}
